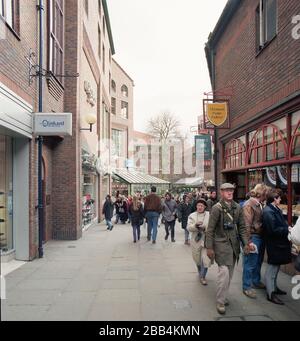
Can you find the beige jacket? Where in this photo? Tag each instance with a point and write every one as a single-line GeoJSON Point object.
{"type": "Point", "coordinates": [198, 248]}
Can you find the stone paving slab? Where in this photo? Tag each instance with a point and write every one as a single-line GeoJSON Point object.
{"type": "Point", "coordinates": [106, 277]}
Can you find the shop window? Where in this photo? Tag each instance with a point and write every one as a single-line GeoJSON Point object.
{"type": "Point", "coordinates": [268, 143]}
{"type": "Point", "coordinates": [6, 197]}
{"type": "Point", "coordinates": [274, 177]}
{"type": "Point", "coordinates": [235, 154]}
{"type": "Point", "coordinates": [295, 151]}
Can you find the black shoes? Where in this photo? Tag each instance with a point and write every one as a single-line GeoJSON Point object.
{"type": "Point", "coordinates": [274, 299]}
{"type": "Point", "coordinates": [173, 240]}
{"type": "Point", "coordinates": [166, 237]}
{"type": "Point", "coordinates": [280, 292]}
{"type": "Point", "coordinates": [153, 242]}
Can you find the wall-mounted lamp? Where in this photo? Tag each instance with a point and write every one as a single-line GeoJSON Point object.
{"type": "Point", "coordinates": [90, 119]}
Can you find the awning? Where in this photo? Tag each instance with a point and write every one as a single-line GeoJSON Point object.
{"type": "Point", "coordinates": [190, 182]}
{"type": "Point", "coordinates": [194, 182]}
{"type": "Point", "coordinates": [134, 178]}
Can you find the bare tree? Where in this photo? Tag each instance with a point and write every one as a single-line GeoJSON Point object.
{"type": "Point", "coordinates": [164, 126]}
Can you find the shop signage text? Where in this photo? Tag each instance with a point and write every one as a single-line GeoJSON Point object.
{"type": "Point", "coordinates": [52, 124]}
{"type": "Point", "coordinates": [217, 113]}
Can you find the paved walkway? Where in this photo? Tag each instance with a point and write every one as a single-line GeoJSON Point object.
{"type": "Point", "coordinates": [104, 277]}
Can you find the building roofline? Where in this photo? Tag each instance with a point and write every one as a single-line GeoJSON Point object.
{"type": "Point", "coordinates": [225, 18]}
{"type": "Point", "coordinates": [109, 31]}
{"type": "Point", "coordinates": [120, 67]}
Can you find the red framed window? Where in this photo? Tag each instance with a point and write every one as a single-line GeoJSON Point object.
{"type": "Point", "coordinates": [235, 154]}
{"type": "Point", "coordinates": [268, 143]}
{"type": "Point", "coordinates": [295, 143]}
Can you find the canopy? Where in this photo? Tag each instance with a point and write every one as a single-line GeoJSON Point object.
{"type": "Point", "coordinates": [133, 177]}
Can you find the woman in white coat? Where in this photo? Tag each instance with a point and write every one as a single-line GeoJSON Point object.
{"type": "Point", "coordinates": [197, 225]}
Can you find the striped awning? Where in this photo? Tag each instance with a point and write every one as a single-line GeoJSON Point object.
{"type": "Point", "coordinates": [133, 177]}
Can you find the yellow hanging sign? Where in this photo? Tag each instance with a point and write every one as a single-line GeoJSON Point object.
{"type": "Point", "coordinates": [217, 113]}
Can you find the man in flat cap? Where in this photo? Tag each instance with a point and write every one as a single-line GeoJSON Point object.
{"type": "Point", "coordinates": [225, 234]}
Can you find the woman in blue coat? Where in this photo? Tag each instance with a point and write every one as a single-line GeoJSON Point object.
{"type": "Point", "coordinates": [277, 244]}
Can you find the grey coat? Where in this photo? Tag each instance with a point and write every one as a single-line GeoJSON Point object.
{"type": "Point", "coordinates": [169, 210]}
{"type": "Point", "coordinates": [226, 243]}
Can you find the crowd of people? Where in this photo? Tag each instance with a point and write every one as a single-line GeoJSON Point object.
{"type": "Point", "coordinates": [217, 231]}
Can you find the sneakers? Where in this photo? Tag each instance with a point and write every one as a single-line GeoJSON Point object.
{"type": "Point", "coordinates": [250, 293]}
{"type": "Point", "coordinates": [221, 308]}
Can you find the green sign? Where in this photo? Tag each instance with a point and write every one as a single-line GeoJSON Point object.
{"type": "Point", "coordinates": [203, 147]}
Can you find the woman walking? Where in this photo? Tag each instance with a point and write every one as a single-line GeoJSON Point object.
{"type": "Point", "coordinates": [137, 217]}
{"type": "Point", "coordinates": [183, 211]}
{"type": "Point", "coordinates": [277, 244]}
{"type": "Point", "coordinates": [197, 225]}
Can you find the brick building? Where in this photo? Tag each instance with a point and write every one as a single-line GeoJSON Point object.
{"type": "Point", "coordinates": [253, 56]}
{"type": "Point", "coordinates": [122, 87]}
{"type": "Point", "coordinates": [77, 40]}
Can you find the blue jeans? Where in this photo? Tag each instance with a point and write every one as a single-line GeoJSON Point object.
{"type": "Point", "coordinates": [109, 224]}
{"type": "Point", "coordinates": [136, 232]}
{"type": "Point", "coordinates": [186, 234]}
{"type": "Point", "coordinates": [202, 271]}
{"type": "Point", "coordinates": [252, 264]}
{"type": "Point", "coordinates": [152, 219]}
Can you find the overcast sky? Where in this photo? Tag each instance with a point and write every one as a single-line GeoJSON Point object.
{"type": "Point", "coordinates": [160, 43]}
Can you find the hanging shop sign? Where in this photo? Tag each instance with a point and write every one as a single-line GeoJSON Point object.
{"type": "Point", "coordinates": [203, 147]}
{"type": "Point", "coordinates": [52, 124]}
{"type": "Point", "coordinates": [216, 114]}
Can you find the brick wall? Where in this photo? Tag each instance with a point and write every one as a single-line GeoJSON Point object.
{"type": "Point", "coordinates": [258, 81]}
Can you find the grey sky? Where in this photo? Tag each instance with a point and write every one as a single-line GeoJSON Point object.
{"type": "Point", "coordinates": [160, 43]}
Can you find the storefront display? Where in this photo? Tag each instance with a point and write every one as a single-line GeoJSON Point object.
{"type": "Point", "coordinates": [270, 155]}
{"type": "Point", "coordinates": [6, 197]}
{"type": "Point", "coordinates": [89, 188]}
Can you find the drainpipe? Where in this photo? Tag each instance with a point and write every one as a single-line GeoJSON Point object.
{"type": "Point", "coordinates": [40, 8]}
{"type": "Point", "coordinates": [212, 56]}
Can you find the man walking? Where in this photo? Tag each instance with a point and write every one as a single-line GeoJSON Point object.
{"type": "Point", "coordinates": [153, 209]}
{"type": "Point", "coordinates": [169, 216]}
{"type": "Point", "coordinates": [226, 231]}
{"type": "Point", "coordinates": [253, 213]}
{"type": "Point", "coordinates": [212, 201]}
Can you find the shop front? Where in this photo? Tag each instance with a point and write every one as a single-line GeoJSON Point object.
{"type": "Point", "coordinates": [15, 144]}
{"type": "Point", "coordinates": [89, 189]}
{"type": "Point", "coordinates": [270, 154]}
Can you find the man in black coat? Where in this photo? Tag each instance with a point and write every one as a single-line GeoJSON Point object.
{"type": "Point", "coordinates": [277, 244]}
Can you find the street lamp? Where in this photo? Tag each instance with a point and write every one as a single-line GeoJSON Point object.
{"type": "Point", "coordinates": [90, 119]}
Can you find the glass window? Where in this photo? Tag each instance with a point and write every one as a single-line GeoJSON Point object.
{"type": "Point", "coordinates": [235, 153]}
{"type": "Point", "coordinates": [266, 22]}
{"type": "Point", "coordinates": [124, 91]}
{"type": "Point", "coordinates": [124, 110]}
{"type": "Point", "coordinates": [296, 134]}
{"type": "Point", "coordinates": [6, 194]}
{"type": "Point", "coordinates": [269, 143]}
